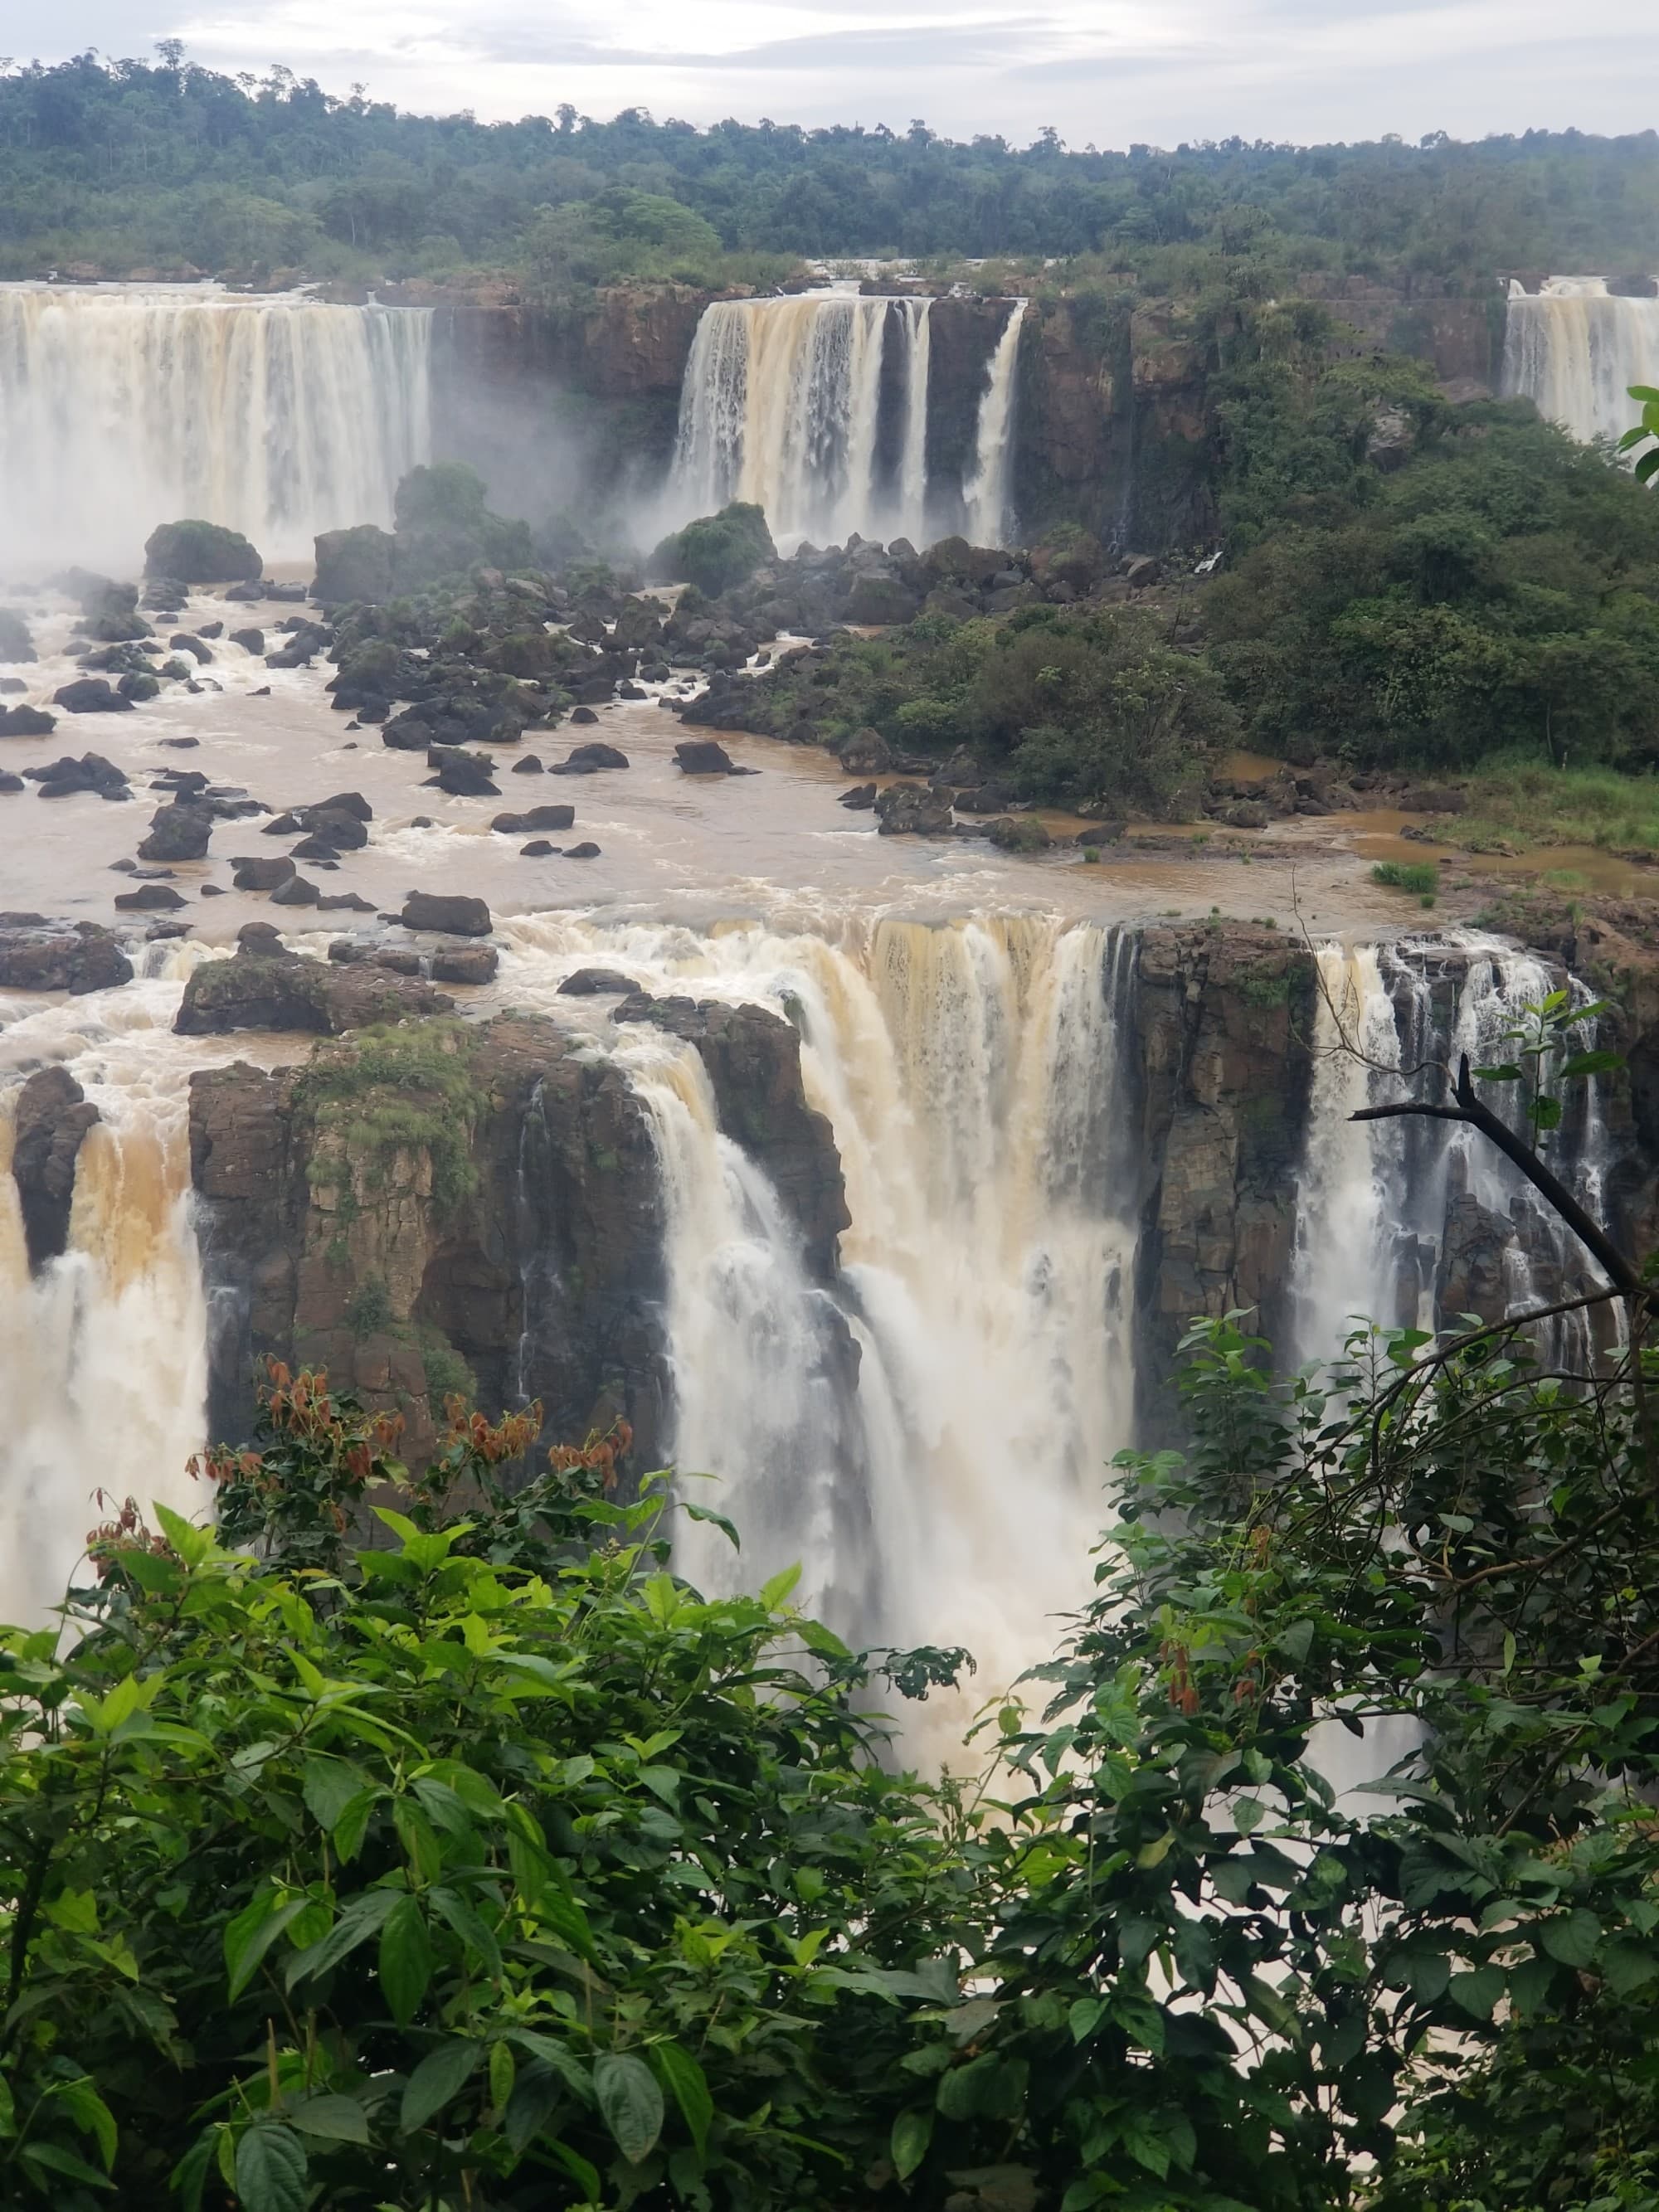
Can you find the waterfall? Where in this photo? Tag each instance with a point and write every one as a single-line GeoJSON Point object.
{"type": "Point", "coordinates": [1379, 1203]}
{"type": "Point", "coordinates": [1574, 349]}
{"type": "Point", "coordinates": [782, 406]}
{"type": "Point", "coordinates": [940, 1477]}
{"type": "Point", "coordinates": [122, 409]}
{"type": "Point", "coordinates": [103, 1353]}
{"type": "Point", "coordinates": [985, 493]}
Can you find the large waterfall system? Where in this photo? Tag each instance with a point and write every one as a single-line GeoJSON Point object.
{"type": "Point", "coordinates": [927, 1431]}
{"type": "Point", "coordinates": [1574, 348]}
{"type": "Point", "coordinates": [122, 409]}
{"type": "Point", "coordinates": [815, 408]}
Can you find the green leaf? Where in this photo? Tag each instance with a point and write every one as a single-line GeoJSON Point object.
{"type": "Point", "coordinates": [328, 1786]}
{"type": "Point", "coordinates": [54, 2158]}
{"type": "Point", "coordinates": [353, 1824]}
{"type": "Point", "coordinates": [356, 1924]}
{"type": "Point", "coordinates": [717, 1520]}
{"type": "Point", "coordinates": [630, 2101]}
{"type": "Point", "coordinates": [440, 2075]}
{"type": "Point", "coordinates": [1572, 1939]}
{"type": "Point", "coordinates": [988, 2087]}
{"type": "Point", "coordinates": [907, 2144]}
{"type": "Point", "coordinates": [503, 2072]}
{"type": "Point", "coordinates": [469, 1925]}
{"type": "Point", "coordinates": [1590, 1063]}
{"type": "Point", "coordinates": [1627, 1966]}
{"type": "Point", "coordinates": [405, 1960]}
{"type": "Point", "coordinates": [335, 2120]}
{"type": "Point", "coordinates": [1084, 2017]}
{"type": "Point", "coordinates": [92, 2115]}
{"type": "Point", "coordinates": [270, 2168]}
{"type": "Point", "coordinates": [679, 2072]}
{"type": "Point", "coordinates": [564, 2061]}
{"type": "Point", "coordinates": [251, 1934]}
{"type": "Point", "coordinates": [192, 1544]}
{"type": "Point", "coordinates": [1477, 1993]}
{"type": "Point", "coordinates": [774, 1593]}
{"type": "Point", "coordinates": [586, 2176]}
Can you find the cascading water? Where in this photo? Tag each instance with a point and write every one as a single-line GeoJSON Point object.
{"type": "Point", "coordinates": [1380, 1202]}
{"type": "Point", "coordinates": [782, 406]}
{"type": "Point", "coordinates": [943, 1485]}
{"type": "Point", "coordinates": [1574, 348]}
{"type": "Point", "coordinates": [122, 409]}
{"type": "Point", "coordinates": [104, 1353]}
{"type": "Point", "coordinates": [986, 492]}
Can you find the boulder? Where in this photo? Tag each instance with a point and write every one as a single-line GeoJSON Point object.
{"type": "Point", "coordinates": [66, 774]}
{"type": "Point", "coordinates": [596, 983]}
{"type": "Point", "coordinates": [16, 645]}
{"type": "Point", "coordinates": [529, 765]}
{"type": "Point", "coordinates": [912, 810]}
{"type": "Point", "coordinates": [583, 715]}
{"type": "Point", "coordinates": [26, 722]}
{"type": "Point", "coordinates": [344, 832]}
{"type": "Point", "coordinates": [1018, 833]}
{"type": "Point", "coordinates": [860, 797]}
{"type": "Point", "coordinates": [702, 756]}
{"type": "Point", "coordinates": [876, 598]}
{"type": "Point", "coordinates": [346, 802]}
{"type": "Point", "coordinates": [463, 775]}
{"type": "Point", "coordinates": [200, 553]}
{"type": "Point", "coordinates": [178, 832]}
{"type": "Point", "coordinates": [91, 694]}
{"type": "Point", "coordinates": [257, 875]}
{"type": "Point", "coordinates": [452, 915]}
{"type": "Point", "coordinates": [138, 685]}
{"type": "Point", "coordinates": [295, 890]}
{"type": "Point", "coordinates": [464, 964]}
{"type": "Point", "coordinates": [254, 991]}
{"type": "Point", "coordinates": [316, 848]}
{"type": "Point", "coordinates": [867, 752]}
{"type": "Point", "coordinates": [535, 817]}
{"type": "Point", "coordinates": [251, 641]}
{"type": "Point", "coordinates": [50, 1123]}
{"type": "Point", "coordinates": [586, 851]}
{"type": "Point", "coordinates": [37, 955]}
{"type": "Point", "coordinates": [588, 760]}
{"type": "Point", "coordinates": [183, 642]}
{"type": "Point", "coordinates": [149, 898]}
{"type": "Point", "coordinates": [353, 566]}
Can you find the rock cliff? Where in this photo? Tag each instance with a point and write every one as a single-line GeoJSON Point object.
{"type": "Point", "coordinates": [440, 1207]}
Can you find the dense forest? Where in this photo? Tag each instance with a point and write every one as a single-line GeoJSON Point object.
{"type": "Point", "coordinates": [130, 164]}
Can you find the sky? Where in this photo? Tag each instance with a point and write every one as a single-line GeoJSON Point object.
{"type": "Point", "coordinates": [1106, 72]}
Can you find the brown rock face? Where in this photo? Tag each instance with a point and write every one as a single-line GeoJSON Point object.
{"type": "Point", "coordinates": [1221, 1017]}
{"type": "Point", "coordinates": [500, 1229]}
{"type": "Point", "coordinates": [51, 1122]}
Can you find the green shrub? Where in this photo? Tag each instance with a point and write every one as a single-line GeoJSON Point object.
{"type": "Point", "coordinates": [1418, 876]}
{"type": "Point", "coordinates": [717, 550]}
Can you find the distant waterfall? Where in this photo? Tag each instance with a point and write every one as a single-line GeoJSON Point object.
{"type": "Point", "coordinates": [784, 405]}
{"type": "Point", "coordinates": [122, 409]}
{"type": "Point", "coordinates": [986, 492]}
{"type": "Point", "coordinates": [1574, 348]}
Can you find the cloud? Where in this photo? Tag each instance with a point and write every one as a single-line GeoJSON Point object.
{"type": "Point", "coordinates": [1105, 71]}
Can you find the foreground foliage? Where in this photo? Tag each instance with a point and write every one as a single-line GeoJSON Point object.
{"type": "Point", "coordinates": [495, 1866]}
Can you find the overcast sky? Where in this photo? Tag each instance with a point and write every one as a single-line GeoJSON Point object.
{"type": "Point", "coordinates": [1106, 71]}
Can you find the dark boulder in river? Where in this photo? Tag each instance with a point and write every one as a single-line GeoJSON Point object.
{"type": "Point", "coordinates": [454, 916]}
{"type": "Point", "coordinates": [26, 722]}
{"type": "Point", "coordinates": [91, 694]}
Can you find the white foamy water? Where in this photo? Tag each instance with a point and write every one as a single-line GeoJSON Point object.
{"type": "Point", "coordinates": [122, 408]}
